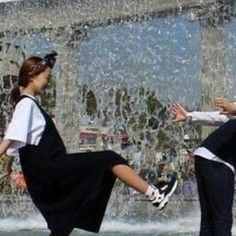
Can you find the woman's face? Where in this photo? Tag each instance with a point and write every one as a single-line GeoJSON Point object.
{"type": "Point", "coordinates": [40, 82]}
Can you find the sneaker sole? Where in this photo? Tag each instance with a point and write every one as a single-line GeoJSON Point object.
{"type": "Point", "coordinates": [165, 200]}
{"type": "Point", "coordinates": [163, 207]}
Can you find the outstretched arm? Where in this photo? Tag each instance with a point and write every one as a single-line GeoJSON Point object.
{"type": "Point", "coordinates": [197, 117]}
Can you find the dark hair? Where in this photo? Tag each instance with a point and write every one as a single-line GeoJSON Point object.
{"type": "Point", "coordinates": [31, 67]}
{"type": "Point", "coordinates": [24, 76]}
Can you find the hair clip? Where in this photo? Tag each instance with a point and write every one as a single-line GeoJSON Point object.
{"type": "Point", "coordinates": [49, 60]}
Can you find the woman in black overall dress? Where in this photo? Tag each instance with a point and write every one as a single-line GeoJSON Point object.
{"type": "Point", "coordinates": [215, 163]}
{"type": "Point", "coordinates": [70, 190]}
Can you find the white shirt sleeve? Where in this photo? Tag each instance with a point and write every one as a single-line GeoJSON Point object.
{"type": "Point", "coordinates": [26, 126]}
{"type": "Point", "coordinates": [207, 118]}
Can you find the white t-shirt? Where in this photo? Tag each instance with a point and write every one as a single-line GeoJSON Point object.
{"type": "Point", "coordinates": [209, 118]}
{"type": "Point", "coordinates": [26, 126]}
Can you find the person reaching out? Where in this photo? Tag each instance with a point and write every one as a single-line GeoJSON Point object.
{"type": "Point", "coordinates": [215, 162]}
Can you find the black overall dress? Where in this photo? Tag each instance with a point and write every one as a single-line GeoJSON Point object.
{"type": "Point", "coordinates": [70, 190]}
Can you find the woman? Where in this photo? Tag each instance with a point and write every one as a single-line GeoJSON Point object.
{"type": "Point", "coordinates": [215, 162]}
{"type": "Point", "coordinates": [70, 190]}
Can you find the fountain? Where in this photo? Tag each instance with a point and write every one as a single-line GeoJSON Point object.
{"type": "Point", "coordinates": [120, 64]}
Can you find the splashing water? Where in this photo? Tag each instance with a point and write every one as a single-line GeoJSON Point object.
{"type": "Point", "coordinates": [120, 65]}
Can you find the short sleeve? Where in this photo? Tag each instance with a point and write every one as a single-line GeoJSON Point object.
{"type": "Point", "coordinates": [19, 126]}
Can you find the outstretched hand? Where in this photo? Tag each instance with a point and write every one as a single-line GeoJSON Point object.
{"type": "Point", "coordinates": [179, 113]}
{"type": "Point", "coordinates": [227, 107]}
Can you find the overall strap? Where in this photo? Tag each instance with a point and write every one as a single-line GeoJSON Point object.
{"type": "Point", "coordinates": [36, 102]}
{"type": "Point", "coordinates": [26, 96]}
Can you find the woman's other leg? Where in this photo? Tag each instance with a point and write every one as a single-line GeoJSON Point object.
{"type": "Point", "coordinates": [206, 223]}
{"type": "Point", "coordinates": [217, 197]}
{"type": "Point", "coordinates": [222, 201]}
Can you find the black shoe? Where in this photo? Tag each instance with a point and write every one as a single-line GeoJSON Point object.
{"type": "Point", "coordinates": [162, 194]}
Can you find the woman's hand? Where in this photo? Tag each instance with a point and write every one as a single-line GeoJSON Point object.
{"type": "Point", "coordinates": [178, 112]}
{"type": "Point", "coordinates": [4, 145]}
{"type": "Point", "coordinates": [228, 108]}
{"type": "Point", "coordinates": [7, 167]}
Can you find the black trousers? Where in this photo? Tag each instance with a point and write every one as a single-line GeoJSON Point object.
{"type": "Point", "coordinates": [216, 192]}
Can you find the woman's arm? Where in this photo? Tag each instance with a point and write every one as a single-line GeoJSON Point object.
{"type": "Point", "coordinates": [213, 118]}
{"type": "Point", "coordinates": [4, 145]}
{"type": "Point", "coordinates": [197, 117]}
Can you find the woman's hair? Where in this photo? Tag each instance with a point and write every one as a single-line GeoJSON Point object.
{"type": "Point", "coordinates": [24, 76]}
{"type": "Point", "coordinates": [31, 67]}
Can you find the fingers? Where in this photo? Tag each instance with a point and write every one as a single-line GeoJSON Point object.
{"type": "Point", "coordinates": [178, 112]}
{"type": "Point", "coordinates": [178, 109]}
{"type": "Point", "coordinates": [174, 111]}
{"type": "Point", "coordinates": [175, 108]}
{"type": "Point", "coordinates": [228, 108]}
{"type": "Point", "coordinates": [221, 102]}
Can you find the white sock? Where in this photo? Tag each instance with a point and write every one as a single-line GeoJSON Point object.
{"type": "Point", "coordinates": [150, 191]}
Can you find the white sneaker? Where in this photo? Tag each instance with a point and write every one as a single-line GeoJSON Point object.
{"type": "Point", "coordinates": [161, 195]}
